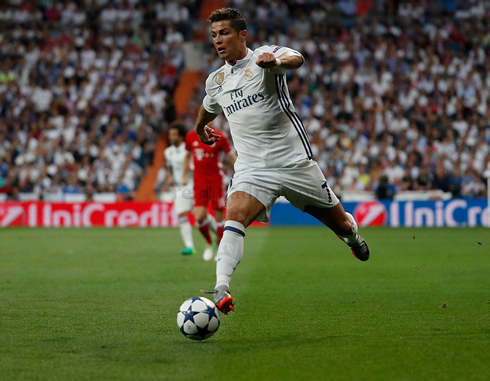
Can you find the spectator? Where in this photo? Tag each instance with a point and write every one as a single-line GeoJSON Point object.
{"type": "Point", "coordinates": [81, 107]}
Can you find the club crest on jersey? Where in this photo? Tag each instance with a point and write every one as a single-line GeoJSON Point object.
{"type": "Point", "coordinates": [220, 77]}
{"type": "Point", "coordinates": [248, 74]}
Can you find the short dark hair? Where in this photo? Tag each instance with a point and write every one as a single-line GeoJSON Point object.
{"type": "Point", "coordinates": [237, 21]}
{"type": "Point", "coordinates": [180, 127]}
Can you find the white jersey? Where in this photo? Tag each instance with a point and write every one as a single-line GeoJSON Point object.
{"type": "Point", "coordinates": [266, 131]}
{"type": "Point", "coordinates": [174, 157]}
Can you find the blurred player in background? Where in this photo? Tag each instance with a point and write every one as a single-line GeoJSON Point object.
{"type": "Point", "coordinates": [274, 153]}
{"type": "Point", "coordinates": [208, 184]}
{"type": "Point", "coordinates": [174, 158]}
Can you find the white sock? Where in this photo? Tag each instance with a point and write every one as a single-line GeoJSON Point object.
{"type": "Point", "coordinates": [186, 232]}
{"type": "Point", "coordinates": [212, 223]}
{"type": "Point", "coordinates": [230, 252]}
{"type": "Point", "coordinates": [353, 237]}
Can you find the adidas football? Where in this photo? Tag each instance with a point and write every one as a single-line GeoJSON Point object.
{"type": "Point", "coordinates": [198, 318]}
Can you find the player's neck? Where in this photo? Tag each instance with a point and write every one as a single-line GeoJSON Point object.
{"type": "Point", "coordinates": [241, 55]}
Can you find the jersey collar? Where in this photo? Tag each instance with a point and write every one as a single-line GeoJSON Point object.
{"type": "Point", "coordinates": [242, 62]}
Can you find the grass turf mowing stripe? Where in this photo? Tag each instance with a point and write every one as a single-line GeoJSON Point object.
{"type": "Point", "coordinates": [101, 304]}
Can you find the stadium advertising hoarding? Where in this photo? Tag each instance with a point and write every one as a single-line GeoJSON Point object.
{"type": "Point", "coordinates": [88, 214]}
{"type": "Point", "coordinates": [451, 213]}
{"type": "Point", "coordinates": [434, 213]}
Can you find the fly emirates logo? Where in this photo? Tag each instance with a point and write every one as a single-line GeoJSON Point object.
{"type": "Point", "coordinates": [241, 101]}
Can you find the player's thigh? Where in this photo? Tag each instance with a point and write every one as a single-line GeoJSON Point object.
{"type": "Point", "coordinates": [219, 214]}
{"type": "Point", "coordinates": [257, 190]}
{"type": "Point", "coordinates": [334, 217]}
{"type": "Point", "coordinates": [243, 208]}
{"type": "Point", "coordinates": [306, 185]}
{"type": "Point", "coordinates": [184, 202]}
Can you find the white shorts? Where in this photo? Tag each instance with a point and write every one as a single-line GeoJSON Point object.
{"type": "Point", "coordinates": [302, 184]}
{"type": "Point", "coordinates": [184, 199]}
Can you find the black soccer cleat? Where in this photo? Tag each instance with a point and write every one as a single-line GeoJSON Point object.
{"type": "Point", "coordinates": [360, 250]}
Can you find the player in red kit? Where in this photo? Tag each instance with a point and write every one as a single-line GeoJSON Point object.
{"type": "Point", "coordinates": [208, 183]}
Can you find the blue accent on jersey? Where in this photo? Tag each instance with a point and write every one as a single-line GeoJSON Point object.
{"type": "Point", "coordinates": [234, 230]}
{"type": "Point", "coordinates": [284, 102]}
{"type": "Point", "coordinates": [298, 119]}
{"type": "Point", "coordinates": [325, 186]}
{"type": "Point", "coordinates": [230, 184]}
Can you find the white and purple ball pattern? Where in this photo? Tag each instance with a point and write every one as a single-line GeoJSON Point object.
{"type": "Point", "coordinates": [198, 318]}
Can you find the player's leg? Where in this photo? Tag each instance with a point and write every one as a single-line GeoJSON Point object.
{"type": "Point", "coordinates": [183, 205]}
{"type": "Point", "coordinates": [335, 218]}
{"type": "Point", "coordinates": [186, 233]}
{"type": "Point", "coordinates": [241, 211]}
{"type": "Point", "coordinates": [342, 224]}
{"type": "Point", "coordinates": [220, 225]}
{"type": "Point", "coordinates": [306, 188]}
{"type": "Point", "coordinates": [212, 224]}
{"type": "Point", "coordinates": [201, 214]}
{"type": "Point", "coordinates": [218, 205]}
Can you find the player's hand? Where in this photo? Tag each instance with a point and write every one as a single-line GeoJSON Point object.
{"type": "Point", "coordinates": [209, 137]}
{"type": "Point", "coordinates": [184, 180]}
{"type": "Point", "coordinates": [171, 181]}
{"type": "Point", "coordinates": [266, 60]}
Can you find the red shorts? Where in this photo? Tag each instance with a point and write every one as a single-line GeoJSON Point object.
{"type": "Point", "coordinates": [205, 193]}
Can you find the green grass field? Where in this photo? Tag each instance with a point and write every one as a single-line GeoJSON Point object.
{"type": "Point", "coordinates": [92, 304]}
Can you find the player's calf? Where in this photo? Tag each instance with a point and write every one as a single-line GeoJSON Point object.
{"type": "Point", "coordinates": [357, 244]}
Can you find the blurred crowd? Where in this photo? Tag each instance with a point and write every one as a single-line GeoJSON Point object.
{"type": "Point", "coordinates": [394, 100]}
{"type": "Point", "coordinates": [85, 89]}
{"type": "Point", "coordinates": [394, 94]}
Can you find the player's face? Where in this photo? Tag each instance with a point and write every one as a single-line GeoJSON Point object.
{"type": "Point", "coordinates": [174, 137]}
{"type": "Point", "coordinates": [227, 40]}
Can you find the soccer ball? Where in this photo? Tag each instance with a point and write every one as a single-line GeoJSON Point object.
{"type": "Point", "coordinates": [198, 318]}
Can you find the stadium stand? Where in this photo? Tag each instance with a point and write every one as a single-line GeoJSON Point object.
{"type": "Point", "coordinates": [86, 87]}
{"type": "Point", "coordinates": [394, 94]}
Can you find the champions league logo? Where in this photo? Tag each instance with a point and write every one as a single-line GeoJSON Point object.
{"type": "Point", "coordinates": [372, 213]}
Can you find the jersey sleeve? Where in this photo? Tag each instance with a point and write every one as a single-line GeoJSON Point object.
{"type": "Point", "coordinates": [209, 103]}
{"type": "Point", "coordinates": [278, 51]}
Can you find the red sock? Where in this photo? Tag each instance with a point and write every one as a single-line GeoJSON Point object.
{"type": "Point", "coordinates": [219, 231]}
{"type": "Point", "coordinates": [204, 229]}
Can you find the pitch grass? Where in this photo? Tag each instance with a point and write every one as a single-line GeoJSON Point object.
{"type": "Point", "coordinates": [93, 304]}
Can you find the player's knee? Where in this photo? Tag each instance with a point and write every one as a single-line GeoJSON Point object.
{"type": "Point", "coordinates": [201, 216]}
{"type": "Point", "coordinates": [238, 215]}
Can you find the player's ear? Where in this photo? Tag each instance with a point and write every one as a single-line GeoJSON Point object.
{"type": "Point", "coordinates": [243, 35]}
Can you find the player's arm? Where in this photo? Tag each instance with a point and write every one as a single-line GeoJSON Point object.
{"type": "Point", "coordinates": [169, 175]}
{"type": "Point", "coordinates": [206, 134]}
{"type": "Point", "coordinates": [288, 61]}
{"type": "Point", "coordinates": [187, 167]}
{"type": "Point", "coordinates": [169, 179]}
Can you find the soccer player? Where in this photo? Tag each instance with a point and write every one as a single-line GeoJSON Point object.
{"type": "Point", "coordinates": [174, 159]}
{"type": "Point", "coordinates": [208, 183]}
{"type": "Point", "coordinates": [274, 154]}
